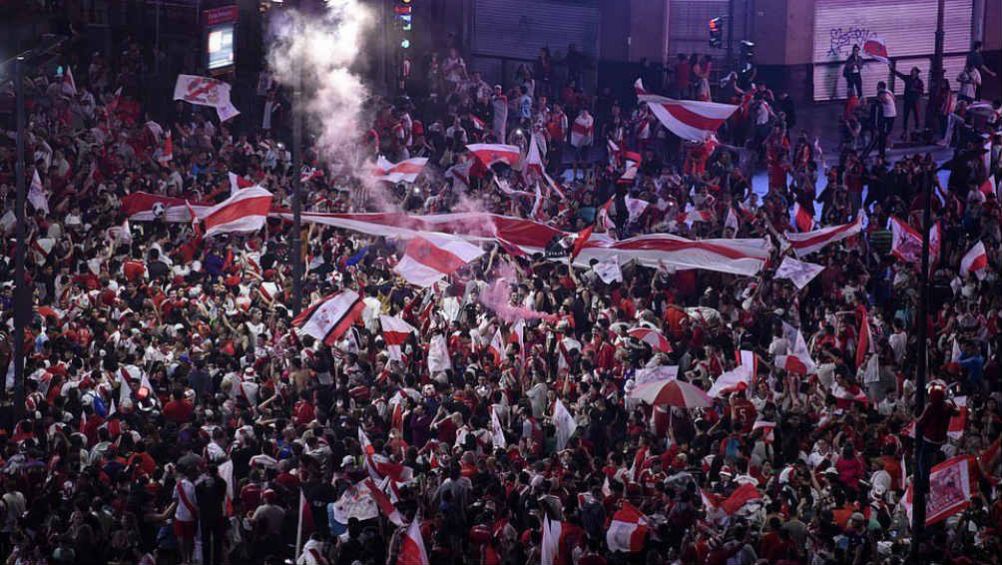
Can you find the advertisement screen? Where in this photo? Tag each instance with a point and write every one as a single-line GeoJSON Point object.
{"type": "Point", "coordinates": [220, 46]}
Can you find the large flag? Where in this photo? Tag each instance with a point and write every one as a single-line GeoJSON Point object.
{"type": "Point", "coordinates": [490, 153]}
{"type": "Point", "coordinates": [974, 261]}
{"type": "Point", "coordinates": [734, 256]}
{"type": "Point", "coordinates": [652, 337]}
{"type": "Point", "coordinates": [395, 333]}
{"type": "Point", "coordinates": [949, 490]}
{"type": "Point", "coordinates": [800, 273]}
{"type": "Point", "coordinates": [412, 550]}
{"type": "Point", "coordinates": [404, 171]}
{"type": "Point", "coordinates": [146, 207]}
{"type": "Point", "coordinates": [583, 130]}
{"type": "Point", "coordinates": [742, 495]}
{"type": "Point", "coordinates": [627, 530]}
{"type": "Point", "coordinates": [431, 257]}
{"type": "Point", "coordinates": [804, 244]}
{"type": "Point", "coordinates": [245, 211]}
{"type": "Point", "coordinates": [383, 501]}
{"type": "Point", "coordinates": [36, 194]}
{"type": "Point", "coordinates": [564, 423]}
{"type": "Point", "coordinates": [906, 243]}
{"type": "Point", "coordinates": [205, 91]}
{"type": "Point", "coordinates": [328, 319]}
{"type": "Point", "coordinates": [689, 119]}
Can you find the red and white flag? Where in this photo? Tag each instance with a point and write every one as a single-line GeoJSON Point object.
{"type": "Point", "coordinates": [798, 358]}
{"type": "Point", "coordinates": [737, 379]}
{"type": "Point", "coordinates": [69, 86]}
{"type": "Point", "coordinates": [497, 347]}
{"type": "Point", "coordinates": [906, 243]}
{"type": "Point", "coordinates": [949, 490]}
{"type": "Point", "coordinates": [804, 244]}
{"type": "Point", "coordinates": [238, 183]}
{"type": "Point", "coordinates": [803, 218]}
{"type": "Point", "coordinates": [735, 256]}
{"type": "Point", "coordinates": [383, 501]}
{"type": "Point", "coordinates": [689, 119]}
{"type": "Point", "coordinates": [308, 173]}
{"type": "Point", "coordinates": [534, 157]}
{"type": "Point", "coordinates": [556, 545]}
{"type": "Point", "coordinates": [654, 338]}
{"type": "Point", "coordinates": [627, 530]}
{"type": "Point", "coordinates": [490, 153]}
{"type": "Point", "coordinates": [412, 550]}
{"type": "Point", "coordinates": [167, 151]}
{"type": "Point", "coordinates": [742, 495]}
{"type": "Point", "coordinates": [800, 273]}
{"type": "Point", "coordinates": [431, 257]}
{"type": "Point", "coordinates": [328, 319]}
{"type": "Point", "coordinates": [875, 48]}
{"type": "Point", "coordinates": [477, 123]}
{"type": "Point", "coordinates": [404, 171]}
{"type": "Point", "coordinates": [583, 130]}
{"type": "Point", "coordinates": [974, 261]}
{"type": "Point", "coordinates": [865, 347]}
{"type": "Point", "coordinates": [243, 212]}
{"type": "Point", "coordinates": [438, 355]}
{"type": "Point", "coordinates": [36, 194]}
{"type": "Point", "coordinates": [202, 91]}
{"type": "Point", "coordinates": [696, 216]}
{"type": "Point", "coordinates": [396, 332]}
{"type": "Point", "coordinates": [988, 187]}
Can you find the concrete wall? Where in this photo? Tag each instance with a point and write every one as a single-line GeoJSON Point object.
{"type": "Point", "coordinates": [633, 29]}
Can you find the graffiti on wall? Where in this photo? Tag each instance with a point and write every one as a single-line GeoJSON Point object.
{"type": "Point", "coordinates": [841, 40]}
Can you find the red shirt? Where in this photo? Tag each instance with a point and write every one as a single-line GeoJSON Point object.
{"type": "Point", "coordinates": [178, 411]}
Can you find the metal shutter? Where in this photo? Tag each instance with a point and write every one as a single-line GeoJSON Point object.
{"type": "Point", "coordinates": [907, 27]}
{"type": "Point", "coordinates": [518, 29]}
{"type": "Point", "coordinates": [688, 26]}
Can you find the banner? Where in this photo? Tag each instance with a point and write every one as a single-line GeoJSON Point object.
{"type": "Point", "coordinates": [204, 91]}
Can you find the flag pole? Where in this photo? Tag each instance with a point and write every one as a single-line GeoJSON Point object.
{"type": "Point", "coordinates": [299, 527]}
{"type": "Point", "coordinates": [921, 474]}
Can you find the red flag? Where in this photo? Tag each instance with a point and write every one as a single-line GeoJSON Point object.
{"type": "Point", "coordinates": [412, 550]}
{"type": "Point", "coordinates": [580, 241]}
{"type": "Point", "coordinates": [865, 345]}
{"type": "Point", "coordinates": [803, 218]}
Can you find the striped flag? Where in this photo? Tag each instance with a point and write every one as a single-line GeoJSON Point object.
{"type": "Point", "coordinates": [412, 550]}
{"type": "Point", "coordinates": [431, 257]}
{"type": "Point", "coordinates": [627, 530]}
{"type": "Point", "coordinates": [395, 333]}
{"type": "Point", "coordinates": [865, 347]}
{"type": "Point", "coordinates": [803, 217]}
{"type": "Point", "coordinates": [404, 171]}
{"type": "Point", "coordinates": [243, 212]}
{"type": "Point", "coordinates": [974, 261]}
{"type": "Point", "coordinates": [497, 348]}
{"type": "Point", "coordinates": [238, 183]}
{"type": "Point", "coordinates": [490, 153]}
{"type": "Point", "coordinates": [689, 119]}
{"type": "Point", "coordinates": [330, 318]}
{"type": "Point", "coordinates": [875, 48]}
{"type": "Point", "coordinates": [804, 244]}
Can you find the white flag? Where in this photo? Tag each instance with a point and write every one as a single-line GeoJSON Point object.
{"type": "Point", "coordinates": [36, 194]}
{"type": "Point", "coordinates": [800, 273]}
{"type": "Point", "coordinates": [609, 270]}
{"type": "Point", "coordinates": [438, 355]}
{"type": "Point", "coordinates": [497, 432]}
{"type": "Point", "coordinates": [564, 422]}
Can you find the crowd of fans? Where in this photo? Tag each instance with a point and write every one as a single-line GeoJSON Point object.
{"type": "Point", "coordinates": [157, 358]}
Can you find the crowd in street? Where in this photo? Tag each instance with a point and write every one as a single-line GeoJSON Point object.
{"type": "Point", "coordinates": [175, 414]}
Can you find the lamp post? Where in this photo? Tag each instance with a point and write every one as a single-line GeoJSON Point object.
{"type": "Point", "coordinates": [297, 172]}
{"type": "Point", "coordinates": [936, 71]}
{"type": "Point", "coordinates": [920, 484]}
{"type": "Point", "coordinates": [22, 296]}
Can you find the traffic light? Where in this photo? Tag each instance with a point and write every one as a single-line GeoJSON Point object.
{"type": "Point", "coordinates": [716, 27]}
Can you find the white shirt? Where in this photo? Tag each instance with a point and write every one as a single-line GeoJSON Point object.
{"type": "Point", "coordinates": [183, 513]}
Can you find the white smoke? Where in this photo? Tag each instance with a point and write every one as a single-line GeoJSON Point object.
{"type": "Point", "coordinates": [322, 48]}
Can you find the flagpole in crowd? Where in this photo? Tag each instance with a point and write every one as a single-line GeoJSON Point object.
{"type": "Point", "coordinates": [921, 474]}
{"type": "Point", "coordinates": [22, 300]}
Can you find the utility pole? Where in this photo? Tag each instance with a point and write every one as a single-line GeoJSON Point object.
{"type": "Point", "coordinates": [730, 35]}
{"type": "Point", "coordinates": [297, 172]}
{"type": "Point", "coordinates": [936, 71]}
{"type": "Point", "coordinates": [22, 296]}
{"type": "Point", "coordinates": [920, 476]}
